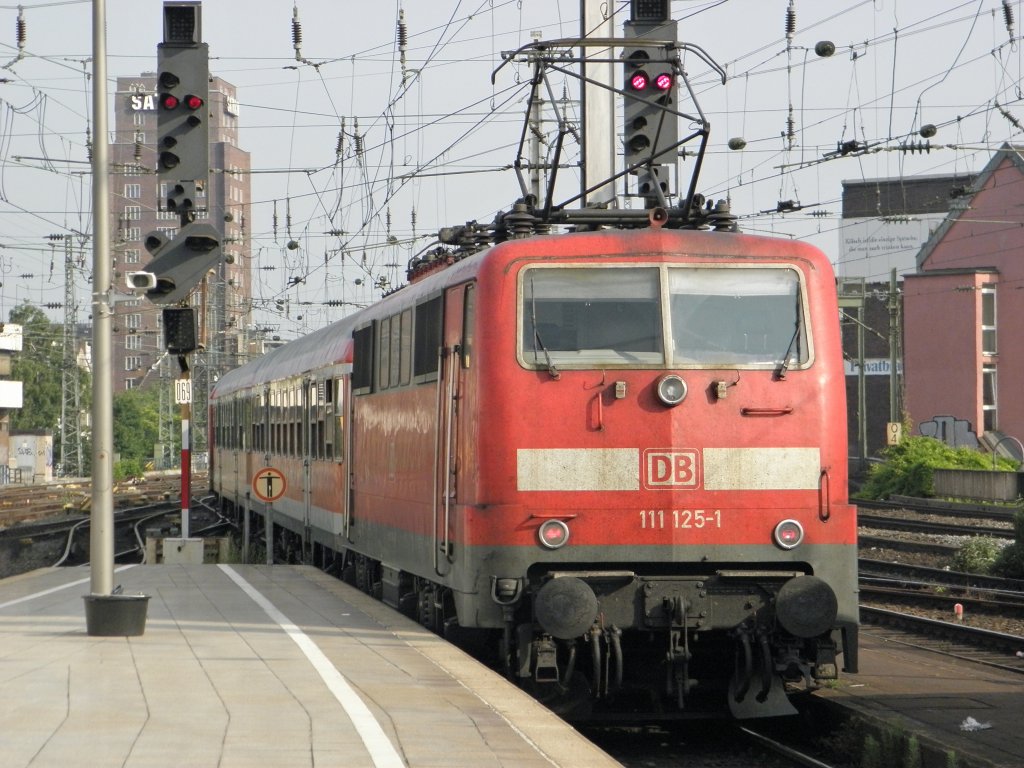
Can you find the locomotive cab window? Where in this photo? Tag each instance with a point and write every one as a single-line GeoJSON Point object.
{"type": "Point", "coordinates": [737, 316]}
{"type": "Point", "coordinates": [591, 316]}
{"type": "Point", "coordinates": [653, 316]}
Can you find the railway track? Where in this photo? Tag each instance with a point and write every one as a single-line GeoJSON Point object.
{"type": "Point", "coordinates": [21, 504]}
{"type": "Point", "coordinates": [996, 649]}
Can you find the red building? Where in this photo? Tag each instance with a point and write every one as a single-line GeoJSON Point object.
{"type": "Point", "coordinates": [963, 311]}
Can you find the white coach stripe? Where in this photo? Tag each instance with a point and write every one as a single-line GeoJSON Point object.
{"type": "Point", "coordinates": [761, 469]}
{"type": "Point", "coordinates": [381, 750]}
{"type": "Point", "coordinates": [578, 469]}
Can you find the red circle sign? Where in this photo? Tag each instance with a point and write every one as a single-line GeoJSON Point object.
{"type": "Point", "coordinates": [269, 484]}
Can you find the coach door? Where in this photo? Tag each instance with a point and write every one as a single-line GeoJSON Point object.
{"type": "Point", "coordinates": [454, 357]}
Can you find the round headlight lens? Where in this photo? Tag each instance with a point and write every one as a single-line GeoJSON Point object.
{"type": "Point", "coordinates": [671, 389]}
{"type": "Point", "coordinates": [788, 534]}
{"type": "Point", "coordinates": [553, 534]}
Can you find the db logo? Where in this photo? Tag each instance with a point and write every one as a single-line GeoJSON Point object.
{"type": "Point", "coordinates": [671, 469]}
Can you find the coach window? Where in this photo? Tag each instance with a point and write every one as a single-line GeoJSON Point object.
{"type": "Point", "coordinates": [405, 361]}
{"type": "Point", "coordinates": [384, 354]}
{"type": "Point", "coordinates": [426, 340]}
{"type": "Point", "coordinates": [468, 327]}
{"type": "Point", "coordinates": [362, 360]}
{"type": "Point", "coordinates": [339, 419]}
{"type": "Point", "coordinates": [395, 348]}
{"type": "Point", "coordinates": [296, 419]}
{"type": "Point", "coordinates": [327, 425]}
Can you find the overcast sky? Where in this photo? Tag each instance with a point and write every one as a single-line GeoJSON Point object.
{"type": "Point", "coordinates": [441, 145]}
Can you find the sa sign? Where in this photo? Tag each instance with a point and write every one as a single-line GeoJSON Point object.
{"type": "Point", "coordinates": [182, 391]}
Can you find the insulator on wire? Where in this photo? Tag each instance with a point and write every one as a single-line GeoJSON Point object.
{"type": "Point", "coordinates": [1008, 17]}
{"type": "Point", "coordinates": [403, 41]}
{"type": "Point", "coordinates": [914, 147]}
{"type": "Point", "coordinates": [296, 33]}
{"type": "Point", "coordinates": [340, 146]}
{"type": "Point", "coordinates": [790, 128]}
{"type": "Point", "coordinates": [403, 33]}
{"type": "Point", "coordinates": [790, 21]}
{"type": "Point", "coordinates": [138, 151]}
{"type": "Point", "coordinates": [357, 139]}
{"type": "Point", "coordinates": [274, 220]}
{"type": "Point", "coordinates": [22, 29]}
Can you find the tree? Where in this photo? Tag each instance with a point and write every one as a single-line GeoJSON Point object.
{"type": "Point", "coordinates": [136, 423]}
{"type": "Point", "coordinates": [39, 366]}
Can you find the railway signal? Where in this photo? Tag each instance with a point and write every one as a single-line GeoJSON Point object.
{"type": "Point", "coordinates": [178, 264]}
{"type": "Point", "coordinates": [651, 124]}
{"type": "Point", "coordinates": [183, 129]}
{"type": "Point", "coordinates": [183, 165]}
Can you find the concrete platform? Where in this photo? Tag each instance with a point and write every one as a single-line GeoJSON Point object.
{"type": "Point", "coordinates": [954, 705]}
{"type": "Point", "coordinates": [247, 665]}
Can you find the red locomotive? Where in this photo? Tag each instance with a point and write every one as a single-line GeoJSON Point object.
{"type": "Point", "coordinates": [615, 458]}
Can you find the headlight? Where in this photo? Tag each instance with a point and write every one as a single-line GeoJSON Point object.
{"type": "Point", "coordinates": [788, 534]}
{"type": "Point", "coordinates": [553, 534]}
{"type": "Point", "coordinates": [671, 389]}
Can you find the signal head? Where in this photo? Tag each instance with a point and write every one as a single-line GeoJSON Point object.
{"type": "Point", "coordinates": [639, 80]}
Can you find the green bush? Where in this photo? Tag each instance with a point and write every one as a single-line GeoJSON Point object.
{"type": "Point", "coordinates": [128, 469]}
{"type": "Point", "coordinates": [978, 555]}
{"type": "Point", "coordinates": [1010, 562]}
{"type": "Point", "coordinates": [909, 467]}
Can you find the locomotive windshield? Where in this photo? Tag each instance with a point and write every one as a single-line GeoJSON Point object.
{"type": "Point", "coordinates": [597, 316]}
{"type": "Point", "coordinates": [592, 316]}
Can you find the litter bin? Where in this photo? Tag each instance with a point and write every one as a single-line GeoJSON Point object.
{"type": "Point", "coordinates": [116, 615]}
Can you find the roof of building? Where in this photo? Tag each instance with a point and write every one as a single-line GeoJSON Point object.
{"type": "Point", "coordinates": [904, 196]}
{"type": "Point", "coordinates": [1006, 151]}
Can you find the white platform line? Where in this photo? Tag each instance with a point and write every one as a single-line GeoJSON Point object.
{"type": "Point", "coordinates": [51, 590]}
{"type": "Point", "coordinates": [381, 750]}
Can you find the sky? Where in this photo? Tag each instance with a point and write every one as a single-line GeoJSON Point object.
{"type": "Point", "coordinates": [431, 143]}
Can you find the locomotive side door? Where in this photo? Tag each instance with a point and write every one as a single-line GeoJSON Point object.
{"type": "Point", "coordinates": [451, 386]}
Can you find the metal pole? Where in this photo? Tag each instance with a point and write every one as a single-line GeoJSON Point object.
{"type": "Point", "coordinates": [894, 343]}
{"type": "Point", "coordinates": [186, 459]}
{"type": "Point", "coordinates": [101, 536]}
{"type": "Point", "coordinates": [599, 140]}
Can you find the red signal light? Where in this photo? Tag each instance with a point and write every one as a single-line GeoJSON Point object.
{"type": "Point", "coordinates": [193, 102]}
{"type": "Point", "coordinates": [169, 101]}
{"type": "Point", "coordinates": [639, 80]}
{"type": "Point", "coordinates": [663, 81]}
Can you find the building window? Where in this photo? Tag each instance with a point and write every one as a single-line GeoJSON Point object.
{"type": "Point", "coordinates": [133, 191]}
{"type": "Point", "coordinates": [139, 118]}
{"type": "Point", "coordinates": [989, 400]}
{"type": "Point", "coordinates": [133, 341]}
{"type": "Point", "coordinates": [133, 321]}
{"type": "Point", "coordinates": [168, 232]}
{"type": "Point", "coordinates": [132, 233]}
{"type": "Point", "coordinates": [131, 256]}
{"type": "Point", "coordinates": [140, 137]}
{"type": "Point", "coordinates": [131, 383]}
{"type": "Point", "coordinates": [132, 363]}
{"type": "Point", "coordinates": [132, 212]}
{"type": "Point", "coordinates": [988, 320]}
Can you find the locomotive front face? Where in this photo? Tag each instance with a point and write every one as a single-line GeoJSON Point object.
{"type": "Point", "coordinates": [676, 437]}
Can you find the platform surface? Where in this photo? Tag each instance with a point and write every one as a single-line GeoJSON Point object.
{"type": "Point", "coordinates": [970, 709]}
{"type": "Point", "coordinates": [246, 665]}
